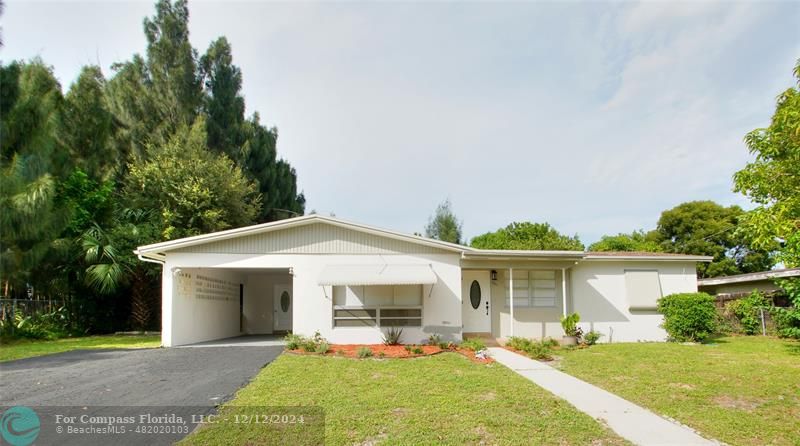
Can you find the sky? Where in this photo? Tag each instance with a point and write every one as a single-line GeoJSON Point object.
{"type": "Point", "coordinates": [592, 116]}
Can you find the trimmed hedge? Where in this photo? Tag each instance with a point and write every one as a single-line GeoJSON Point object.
{"type": "Point", "coordinates": [688, 316]}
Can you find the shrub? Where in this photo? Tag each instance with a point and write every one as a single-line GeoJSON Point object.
{"type": "Point", "coordinates": [364, 352]}
{"type": "Point", "coordinates": [445, 345]}
{"type": "Point", "coordinates": [747, 311]}
{"type": "Point", "coordinates": [434, 339]}
{"type": "Point", "coordinates": [535, 349]}
{"type": "Point", "coordinates": [518, 343]}
{"type": "Point", "coordinates": [408, 348]}
{"type": "Point", "coordinates": [317, 338]}
{"type": "Point", "coordinates": [473, 344]}
{"type": "Point", "coordinates": [417, 350]}
{"type": "Point", "coordinates": [322, 348]}
{"type": "Point", "coordinates": [592, 337]}
{"type": "Point", "coordinates": [293, 341]}
{"type": "Point", "coordinates": [540, 350]}
{"type": "Point", "coordinates": [550, 342]}
{"type": "Point", "coordinates": [688, 316]}
{"type": "Point", "coordinates": [570, 325]}
{"type": "Point", "coordinates": [381, 354]}
{"type": "Point", "coordinates": [787, 320]}
{"type": "Point", "coordinates": [310, 345]}
{"type": "Point", "coordinates": [47, 325]}
{"type": "Point", "coordinates": [392, 336]}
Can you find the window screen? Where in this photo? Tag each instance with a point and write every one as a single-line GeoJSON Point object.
{"type": "Point", "coordinates": [533, 288]}
{"type": "Point", "coordinates": [379, 305]}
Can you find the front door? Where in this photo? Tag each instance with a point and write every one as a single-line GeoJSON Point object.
{"type": "Point", "coordinates": [475, 298]}
{"type": "Point", "coordinates": [283, 301]}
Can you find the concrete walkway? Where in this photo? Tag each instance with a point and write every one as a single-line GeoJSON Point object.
{"type": "Point", "coordinates": [634, 423]}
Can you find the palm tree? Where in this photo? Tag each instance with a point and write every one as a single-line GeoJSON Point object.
{"type": "Point", "coordinates": [112, 266]}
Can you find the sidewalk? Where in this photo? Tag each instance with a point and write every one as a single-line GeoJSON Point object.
{"type": "Point", "coordinates": [634, 423]}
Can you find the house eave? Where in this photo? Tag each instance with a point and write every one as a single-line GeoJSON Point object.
{"type": "Point", "coordinates": [750, 277]}
{"type": "Point", "coordinates": [677, 258]}
{"type": "Point", "coordinates": [500, 254]}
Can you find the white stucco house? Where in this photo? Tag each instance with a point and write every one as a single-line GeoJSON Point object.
{"type": "Point", "coordinates": [351, 281]}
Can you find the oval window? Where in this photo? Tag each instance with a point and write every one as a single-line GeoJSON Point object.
{"type": "Point", "coordinates": [475, 294]}
{"type": "Point", "coordinates": [285, 301]}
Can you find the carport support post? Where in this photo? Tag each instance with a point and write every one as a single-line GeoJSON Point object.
{"type": "Point", "coordinates": [511, 299]}
{"type": "Point", "coordinates": [564, 290]}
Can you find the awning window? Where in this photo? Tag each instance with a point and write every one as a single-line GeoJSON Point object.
{"type": "Point", "coordinates": [643, 289]}
{"type": "Point", "coordinates": [352, 275]}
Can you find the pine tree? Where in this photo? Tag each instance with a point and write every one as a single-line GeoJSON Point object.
{"type": "Point", "coordinates": [88, 126]}
{"type": "Point", "coordinates": [31, 165]}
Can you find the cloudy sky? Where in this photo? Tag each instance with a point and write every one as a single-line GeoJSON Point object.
{"type": "Point", "coordinates": [594, 117]}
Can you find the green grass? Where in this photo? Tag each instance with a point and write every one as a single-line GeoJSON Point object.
{"type": "Point", "coordinates": [441, 399]}
{"type": "Point", "coordinates": [740, 390]}
{"type": "Point", "coordinates": [25, 348]}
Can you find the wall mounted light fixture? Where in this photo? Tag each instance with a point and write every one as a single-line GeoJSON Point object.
{"type": "Point", "coordinates": [494, 275]}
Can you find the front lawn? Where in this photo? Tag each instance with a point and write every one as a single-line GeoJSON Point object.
{"type": "Point", "coordinates": [442, 399]}
{"type": "Point", "coordinates": [25, 348]}
{"type": "Point", "coordinates": [740, 390]}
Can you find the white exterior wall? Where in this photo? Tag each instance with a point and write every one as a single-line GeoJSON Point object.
{"type": "Point", "coordinates": [312, 304]}
{"type": "Point", "coordinates": [599, 296]}
{"type": "Point", "coordinates": [188, 317]}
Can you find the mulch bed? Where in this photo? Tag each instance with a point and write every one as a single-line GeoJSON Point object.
{"type": "Point", "coordinates": [381, 351]}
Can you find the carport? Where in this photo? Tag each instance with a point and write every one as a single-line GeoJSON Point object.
{"type": "Point", "coordinates": [210, 304]}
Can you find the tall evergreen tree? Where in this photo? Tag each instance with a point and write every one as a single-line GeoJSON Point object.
{"type": "Point", "coordinates": [32, 163]}
{"type": "Point", "coordinates": [171, 62]}
{"type": "Point", "coordinates": [132, 103]}
{"type": "Point", "coordinates": [224, 103]}
{"type": "Point", "coordinates": [443, 224]}
{"type": "Point", "coordinates": [89, 126]}
{"type": "Point", "coordinates": [246, 141]}
{"type": "Point", "coordinates": [154, 96]}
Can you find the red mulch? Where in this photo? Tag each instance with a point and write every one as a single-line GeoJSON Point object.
{"type": "Point", "coordinates": [391, 351]}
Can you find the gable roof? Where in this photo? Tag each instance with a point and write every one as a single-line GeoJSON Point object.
{"type": "Point", "coordinates": [156, 251]}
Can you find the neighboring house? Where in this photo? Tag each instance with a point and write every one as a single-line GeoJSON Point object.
{"type": "Point", "coordinates": [350, 281]}
{"type": "Point", "coordinates": [740, 285]}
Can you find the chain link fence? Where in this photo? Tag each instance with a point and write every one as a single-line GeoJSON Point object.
{"type": "Point", "coordinates": [730, 322]}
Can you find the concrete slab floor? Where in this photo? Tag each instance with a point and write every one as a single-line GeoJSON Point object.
{"type": "Point", "coordinates": [241, 341]}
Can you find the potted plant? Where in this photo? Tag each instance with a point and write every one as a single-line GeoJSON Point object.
{"type": "Point", "coordinates": [572, 333]}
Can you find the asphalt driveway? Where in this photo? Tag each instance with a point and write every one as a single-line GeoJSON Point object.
{"type": "Point", "coordinates": [147, 377]}
{"type": "Point", "coordinates": [176, 377]}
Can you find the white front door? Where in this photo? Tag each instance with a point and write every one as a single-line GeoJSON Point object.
{"type": "Point", "coordinates": [475, 302]}
{"type": "Point", "coordinates": [282, 301]}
